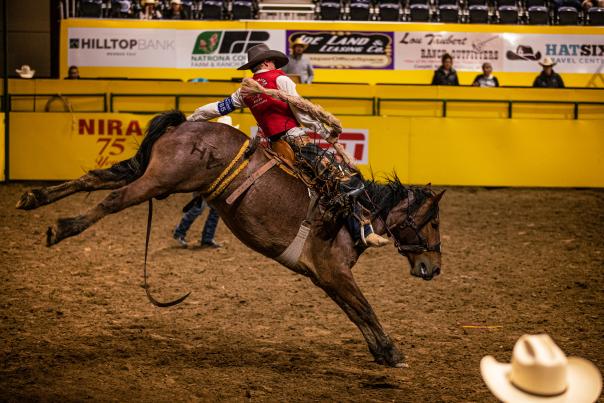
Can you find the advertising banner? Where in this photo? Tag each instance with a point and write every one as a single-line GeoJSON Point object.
{"type": "Point", "coordinates": [572, 53]}
{"type": "Point", "coordinates": [72, 143]}
{"type": "Point", "coordinates": [169, 48]}
{"type": "Point", "coordinates": [423, 50]}
{"type": "Point", "coordinates": [346, 50]}
{"type": "Point", "coordinates": [505, 51]}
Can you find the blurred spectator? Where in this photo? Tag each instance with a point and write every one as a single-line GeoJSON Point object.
{"type": "Point", "coordinates": [121, 8]}
{"type": "Point", "coordinates": [548, 78]}
{"type": "Point", "coordinates": [73, 73]}
{"type": "Point", "coordinates": [445, 74]}
{"type": "Point", "coordinates": [486, 79]}
{"type": "Point", "coordinates": [25, 71]}
{"type": "Point", "coordinates": [567, 3]}
{"type": "Point", "coordinates": [191, 211]}
{"type": "Point", "coordinates": [150, 11]}
{"type": "Point", "coordinates": [587, 4]}
{"type": "Point", "coordinates": [175, 12]}
{"type": "Point", "coordinates": [299, 64]}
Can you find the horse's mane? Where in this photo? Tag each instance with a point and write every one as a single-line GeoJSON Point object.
{"type": "Point", "coordinates": [387, 194]}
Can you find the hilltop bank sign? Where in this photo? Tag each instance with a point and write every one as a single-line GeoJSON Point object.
{"type": "Point", "coordinates": [169, 48]}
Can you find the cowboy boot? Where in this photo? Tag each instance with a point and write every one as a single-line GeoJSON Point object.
{"type": "Point", "coordinates": [371, 239]}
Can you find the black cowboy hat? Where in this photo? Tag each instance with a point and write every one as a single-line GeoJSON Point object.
{"type": "Point", "coordinates": [259, 53]}
{"type": "Point", "coordinates": [523, 53]}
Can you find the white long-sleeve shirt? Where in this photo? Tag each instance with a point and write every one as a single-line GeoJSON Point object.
{"type": "Point", "coordinates": [235, 101]}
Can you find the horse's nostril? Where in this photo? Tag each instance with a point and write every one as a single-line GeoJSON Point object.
{"type": "Point", "coordinates": [436, 271]}
{"type": "Point", "coordinates": [422, 269]}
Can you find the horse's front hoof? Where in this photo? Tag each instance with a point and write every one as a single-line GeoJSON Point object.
{"type": "Point", "coordinates": [51, 236]}
{"type": "Point", "coordinates": [391, 357]}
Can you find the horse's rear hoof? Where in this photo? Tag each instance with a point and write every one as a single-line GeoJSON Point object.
{"type": "Point", "coordinates": [51, 236]}
{"type": "Point", "coordinates": [30, 200]}
{"type": "Point", "coordinates": [401, 365]}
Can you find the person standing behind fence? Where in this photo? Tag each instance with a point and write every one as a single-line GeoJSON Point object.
{"type": "Point", "coordinates": [299, 64]}
{"type": "Point", "coordinates": [445, 74]}
{"type": "Point", "coordinates": [548, 77]}
{"type": "Point", "coordinates": [486, 79]}
{"type": "Point", "coordinates": [191, 211]}
{"type": "Point", "coordinates": [150, 12]}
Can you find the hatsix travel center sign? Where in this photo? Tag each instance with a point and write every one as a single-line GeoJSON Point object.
{"type": "Point", "coordinates": [212, 49]}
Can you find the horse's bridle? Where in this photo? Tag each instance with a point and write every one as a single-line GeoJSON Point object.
{"type": "Point", "coordinates": [422, 246]}
{"type": "Point", "coordinates": [410, 223]}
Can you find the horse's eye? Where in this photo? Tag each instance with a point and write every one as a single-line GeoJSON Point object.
{"type": "Point", "coordinates": [435, 225]}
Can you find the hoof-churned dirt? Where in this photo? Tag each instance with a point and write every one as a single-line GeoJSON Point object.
{"type": "Point", "coordinates": [76, 325]}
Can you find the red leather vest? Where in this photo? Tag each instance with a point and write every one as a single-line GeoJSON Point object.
{"type": "Point", "coordinates": [273, 116]}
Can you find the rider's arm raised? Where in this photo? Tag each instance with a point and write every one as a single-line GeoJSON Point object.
{"type": "Point", "coordinates": [215, 109]}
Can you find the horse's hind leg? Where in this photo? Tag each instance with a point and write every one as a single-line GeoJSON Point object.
{"type": "Point", "coordinates": [137, 192]}
{"type": "Point", "coordinates": [93, 180]}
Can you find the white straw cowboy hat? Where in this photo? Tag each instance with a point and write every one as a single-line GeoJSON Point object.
{"type": "Point", "coordinates": [299, 42]}
{"type": "Point", "coordinates": [259, 53]}
{"type": "Point", "coordinates": [175, 2]}
{"type": "Point", "coordinates": [541, 373]}
{"type": "Point", "coordinates": [25, 71]}
{"type": "Point", "coordinates": [547, 62]}
{"type": "Point", "coordinates": [227, 120]}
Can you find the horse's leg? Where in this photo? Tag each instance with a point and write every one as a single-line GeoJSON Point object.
{"type": "Point", "coordinates": [335, 277]}
{"type": "Point", "coordinates": [93, 180]}
{"type": "Point", "coordinates": [137, 192]}
{"type": "Point", "coordinates": [344, 292]}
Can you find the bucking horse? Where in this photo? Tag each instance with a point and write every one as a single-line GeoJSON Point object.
{"type": "Point", "coordinates": [177, 156]}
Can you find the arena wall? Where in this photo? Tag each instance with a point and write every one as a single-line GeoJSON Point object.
{"type": "Point", "coordinates": [2, 150]}
{"type": "Point", "coordinates": [444, 151]}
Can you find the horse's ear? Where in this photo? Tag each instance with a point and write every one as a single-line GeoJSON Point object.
{"type": "Point", "coordinates": [429, 185]}
{"type": "Point", "coordinates": [439, 196]}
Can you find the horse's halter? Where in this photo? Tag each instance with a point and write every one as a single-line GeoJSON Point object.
{"type": "Point", "coordinates": [410, 223]}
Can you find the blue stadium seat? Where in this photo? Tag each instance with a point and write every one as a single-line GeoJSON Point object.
{"type": "Point", "coordinates": [426, 2]}
{"type": "Point", "coordinates": [596, 16]}
{"type": "Point", "coordinates": [476, 3]}
{"type": "Point", "coordinates": [531, 3]}
{"type": "Point", "coordinates": [390, 11]}
{"type": "Point", "coordinates": [446, 2]}
{"type": "Point", "coordinates": [478, 14]}
{"type": "Point", "coordinates": [508, 14]}
{"type": "Point", "coordinates": [242, 10]}
{"type": "Point", "coordinates": [212, 10]}
{"type": "Point", "coordinates": [506, 3]}
{"type": "Point", "coordinates": [359, 10]}
{"type": "Point", "coordinates": [330, 10]}
{"type": "Point", "coordinates": [91, 8]}
{"type": "Point", "coordinates": [538, 15]}
{"type": "Point", "coordinates": [448, 13]}
{"type": "Point", "coordinates": [568, 16]}
{"type": "Point", "coordinates": [419, 12]}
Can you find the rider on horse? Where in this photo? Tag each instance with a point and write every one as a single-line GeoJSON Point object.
{"type": "Point", "coordinates": [279, 120]}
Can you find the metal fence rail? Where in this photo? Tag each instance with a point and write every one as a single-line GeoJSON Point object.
{"type": "Point", "coordinates": [510, 103]}
{"type": "Point", "coordinates": [376, 103]}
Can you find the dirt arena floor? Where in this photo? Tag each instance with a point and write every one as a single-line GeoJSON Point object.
{"type": "Point", "coordinates": [76, 325]}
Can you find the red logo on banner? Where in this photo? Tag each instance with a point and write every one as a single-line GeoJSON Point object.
{"type": "Point", "coordinates": [355, 141]}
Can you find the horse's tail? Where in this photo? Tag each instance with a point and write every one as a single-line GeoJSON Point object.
{"type": "Point", "coordinates": [135, 167]}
